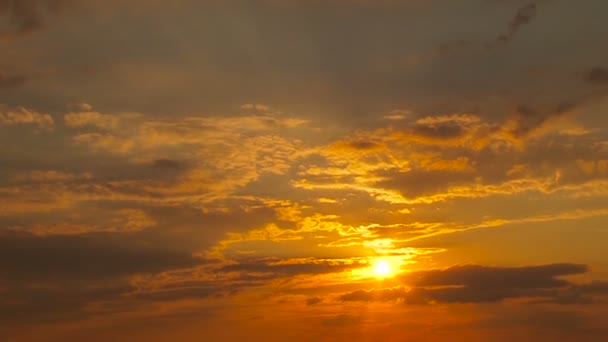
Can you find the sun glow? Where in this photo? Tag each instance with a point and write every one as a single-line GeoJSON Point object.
{"type": "Point", "coordinates": [382, 269]}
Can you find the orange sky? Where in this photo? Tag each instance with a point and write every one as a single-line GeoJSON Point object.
{"type": "Point", "coordinates": [264, 170]}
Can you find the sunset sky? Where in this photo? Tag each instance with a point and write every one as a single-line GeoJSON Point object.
{"type": "Point", "coordinates": [303, 170]}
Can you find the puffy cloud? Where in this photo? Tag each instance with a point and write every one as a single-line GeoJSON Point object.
{"type": "Point", "coordinates": [24, 116]}
{"type": "Point", "coordinates": [593, 166]}
{"type": "Point", "coordinates": [213, 156]}
{"type": "Point", "coordinates": [95, 119]}
{"type": "Point", "coordinates": [446, 157]}
{"type": "Point", "coordinates": [398, 115]}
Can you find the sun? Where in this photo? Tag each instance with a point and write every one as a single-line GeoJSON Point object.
{"type": "Point", "coordinates": [382, 269]}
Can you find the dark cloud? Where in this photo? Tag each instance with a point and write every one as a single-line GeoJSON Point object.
{"type": "Point", "coordinates": [447, 129]}
{"type": "Point", "coordinates": [496, 277]}
{"type": "Point", "coordinates": [442, 131]}
{"type": "Point", "coordinates": [523, 17]}
{"type": "Point", "coordinates": [94, 257]}
{"type": "Point", "coordinates": [482, 284]}
{"type": "Point", "coordinates": [231, 279]}
{"type": "Point", "coordinates": [167, 164]}
{"type": "Point", "coordinates": [423, 182]}
{"type": "Point", "coordinates": [578, 294]}
{"type": "Point", "coordinates": [363, 145]}
{"type": "Point", "coordinates": [11, 81]}
{"type": "Point", "coordinates": [597, 76]}
{"type": "Point", "coordinates": [26, 305]}
{"type": "Point", "coordinates": [313, 301]}
{"type": "Point", "coordinates": [28, 15]}
{"type": "Point", "coordinates": [528, 119]}
{"type": "Point", "coordinates": [46, 279]}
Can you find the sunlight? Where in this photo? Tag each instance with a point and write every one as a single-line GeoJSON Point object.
{"type": "Point", "coordinates": [382, 269]}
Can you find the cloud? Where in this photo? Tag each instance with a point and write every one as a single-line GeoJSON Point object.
{"type": "Point", "coordinates": [313, 301]}
{"type": "Point", "coordinates": [221, 280]}
{"type": "Point", "coordinates": [454, 130]}
{"type": "Point", "coordinates": [597, 76]}
{"type": "Point", "coordinates": [53, 303]}
{"type": "Point", "coordinates": [120, 221]}
{"type": "Point", "coordinates": [398, 115]}
{"type": "Point", "coordinates": [49, 176]}
{"type": "Point", "coordinates": [26, 16]}
{"type": "Point", "coordinates": [444, 157]}
{"type": "Point", "coordinates": [485, 284]}
{"type": "Point", "coordinates": [523, 17]}
{"type": "Point", "coordinates": [24, 116]}
{"type": "Point", "coordinates": [24, 256]}
{"type": "Point", "coordinates": [222, 153]}
{"type": "Point", "coordinates": [526, 121]}
{"type": "Point", "coordinates": [496, 277]}
{"type": "Point", "coordinates": [90, 118]}
{"type": "Point", "coordinates": [167, 164]}
{"type": "Point", "coordinates": [445, 127]}
{"type": "Point", "coordinates": [213, 157]}
{"type": "Point", "coordinates": [291, 267]}
{"type": "Point", "coordinates": [218, 166]}
{"type": "Point", "coordinates": [405, 234]}
{"type": "Point", "coordinates": [59, 278]}
{"type": "Point", "coordinates": [122, 201]}
{"type": "Point", "coordinates": [11, 81]}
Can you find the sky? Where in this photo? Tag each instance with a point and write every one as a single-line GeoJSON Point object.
{"type": "Point", "coordinates": [303, 170]}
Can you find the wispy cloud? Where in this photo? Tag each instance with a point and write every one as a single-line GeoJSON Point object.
{"type": "Point", "coordinates": [523, 16]}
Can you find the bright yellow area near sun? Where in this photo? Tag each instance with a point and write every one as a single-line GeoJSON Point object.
{"type": "Point", "coordinates": [382, 269]}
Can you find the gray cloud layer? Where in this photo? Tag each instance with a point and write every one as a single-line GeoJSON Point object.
{"type": "Point", "coordinates": [88, 257]}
